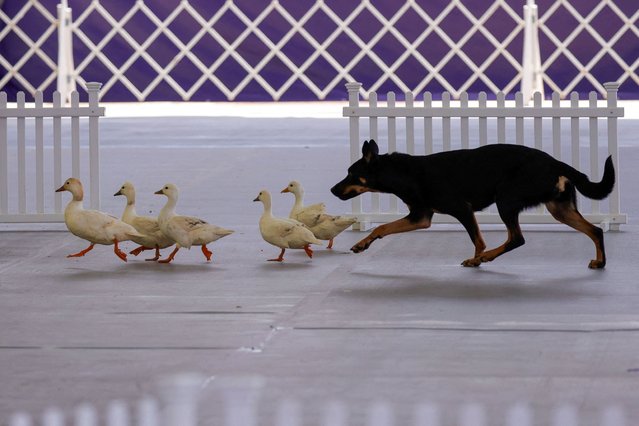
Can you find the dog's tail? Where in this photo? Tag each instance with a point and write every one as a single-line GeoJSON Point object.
{"type": "Point", "coordinates": [594, 190]}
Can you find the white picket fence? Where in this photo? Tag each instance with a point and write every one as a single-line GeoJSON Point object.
{"type": "Point", "coordinates": [463, 119]}
{"type": "Point", "coordinates": [178, 400]}
{"type": "Point", "coordinates": [176, 404]}
{"type": "Point", "coordinates": [32, 168]}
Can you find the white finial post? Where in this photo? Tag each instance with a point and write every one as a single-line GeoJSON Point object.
{"type": "Point", "coordinates": [65, 82]}
{"type": "Point", "coordinates": [353, 124]}
{"type": "Point", "coordinates": [531, 74]}
{"type": "Point", "coordinates": [613, 147]}
{"type": "Point", "coordinates": [93, 90]}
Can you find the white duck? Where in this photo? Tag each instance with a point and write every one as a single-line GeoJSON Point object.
{"type": "Point", "coordinates": [323, 225]}
{"type": "Point", "coordinates": [284, 232]}
{"type": "Point", "coordinates": [186, 231]}
{"type": "Point", "coordinates": [92, 225]}
{"type": "Point", "coordinates": [153, 237]}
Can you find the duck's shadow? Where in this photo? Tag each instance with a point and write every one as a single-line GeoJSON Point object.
{"type": "Point", "coordinates": [127, 271]}
{"type": "Point", "coordinates": [286, 265]}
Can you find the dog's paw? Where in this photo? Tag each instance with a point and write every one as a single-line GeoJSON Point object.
{"type": "Point", "coordinates": [473, 262]}
{"type": "Point", "coordinates": [358, 248]}
{"type": "Point", "coordinates": [361, 246]}
{"type": "Point", "coordinates": [596, 264]}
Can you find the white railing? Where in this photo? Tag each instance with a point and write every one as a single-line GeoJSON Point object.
{"type": "Point", "coordinates": [32, 168]}
{"type": "Point", "coordinates": [178, 397]}
{"type": "Point", "coordinates": [457, 117]}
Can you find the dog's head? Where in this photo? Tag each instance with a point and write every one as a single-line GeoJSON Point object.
{"type": "Point", "coordinates": [361, 176]}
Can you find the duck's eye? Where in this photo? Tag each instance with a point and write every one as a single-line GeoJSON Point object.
{"type": "Point", "coordinates": [166, 187]}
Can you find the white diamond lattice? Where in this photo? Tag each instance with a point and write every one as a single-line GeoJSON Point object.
{"type": "Point", "coordinates": [344, 27]}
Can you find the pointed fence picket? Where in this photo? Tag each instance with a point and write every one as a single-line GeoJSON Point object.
{"type": "Point", "coordinates": [176, 404]}
{"type": "Point", "coordinates": [496, 121]}
{"type": "Point", "coordinates": [30, 170]}
{"type": "Point", "coordinates": [178, 399]}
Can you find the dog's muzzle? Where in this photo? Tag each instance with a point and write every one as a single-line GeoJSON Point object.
{"type": "Point", "coordinates": [339, 191]}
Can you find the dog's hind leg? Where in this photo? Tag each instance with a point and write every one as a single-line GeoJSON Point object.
{"type": "Point", "coordinates": [401, 225]}
{"type": "Point", "coordinates": [510, 216]}
{"type": "Point", "coordinates": [566, 212]}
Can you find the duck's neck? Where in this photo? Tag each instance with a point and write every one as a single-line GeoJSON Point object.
{"type": "Point", "coordinates": [76, 202]}
{"type": "Point", "coordinates": [299, 200]}
{"type": "Point", "coordinates": [73, 206]}
{"type": "Point", "coordinates": [129, 211]}
{"type": "Point", "coordinates": [268, 212]}
{"type": "Point", "coordinates": [168, 210]}
{"type": "Point", "coordinates": [78, 194]}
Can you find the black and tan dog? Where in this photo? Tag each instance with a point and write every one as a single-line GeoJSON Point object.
{"type": "Point", "coordinates": [464, 181]}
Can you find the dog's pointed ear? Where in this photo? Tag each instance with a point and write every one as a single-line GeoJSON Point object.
{"type": "Point", "coordinates": [370, 150]}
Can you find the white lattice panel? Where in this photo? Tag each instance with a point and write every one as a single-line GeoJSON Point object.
{"type": "Point", "coordinates": [410, 55]}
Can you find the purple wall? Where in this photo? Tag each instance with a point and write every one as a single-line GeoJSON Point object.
{"type": "Point", "coordinates": [411, 72]}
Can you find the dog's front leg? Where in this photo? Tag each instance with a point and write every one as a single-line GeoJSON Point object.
{"type": "Point", "coordinates": [401, 225]}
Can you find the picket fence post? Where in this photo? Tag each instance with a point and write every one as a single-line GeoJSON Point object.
{"type": "Point", "coordinates": [613, 149]}
{"type": "Point", "coordinates": [353, 101]}
{"type": "Point", "coordinates": [240, 396]}
{"type": "Point", "coordinates": [179, 396]}
{"type": "Point", "coordinates": [94, 144]}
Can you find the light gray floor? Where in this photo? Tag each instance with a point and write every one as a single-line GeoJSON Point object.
{"type": "Point", "coordinates": [402, 321]}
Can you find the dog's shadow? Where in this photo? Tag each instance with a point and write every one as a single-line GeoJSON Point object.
{"type": "Point", "coordinates": [487, 285]}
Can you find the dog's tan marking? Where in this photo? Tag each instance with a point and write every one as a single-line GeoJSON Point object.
{"type": "Point", "coordinates": [513, 241]}
{"type": "Point", "coordinates": [480, 244]}
{"type": "Point", "coordinates": [362, 180]}
{"type": "Point", "coordinates": [567, 213]}
{"type": "Point", "coordinates": [561, 183]}
{"type": "Point", "coordinates": [490, 255]}
{"type": "Point", "coordinates": [360, 189]}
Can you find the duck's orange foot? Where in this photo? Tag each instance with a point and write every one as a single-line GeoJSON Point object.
{"type": "Point", "coordinates": [207, 253]}
{"type": "Point", "coordinates": [139, 250]}
{"type": "Point", "coordinates": [83, 252]}
{"type": "Point", "coordinates": [171, 256]}
{"type": "Point", "coordinates": [280, 258]}
{"type": "Point", "coordinates": [309, 252]}
{"type": "Point", "coordinates": [157, 255]}
{"type": "Point", "coordinates": [119, 253]}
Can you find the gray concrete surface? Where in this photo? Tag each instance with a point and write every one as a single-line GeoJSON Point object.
{"type": "Point", "coordinates": [402, 321]}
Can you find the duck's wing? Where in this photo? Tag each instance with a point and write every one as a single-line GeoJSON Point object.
{"type": "Point", "coordinates": [300, 235]}
{"type": "Point", "coordinates": [146, 225]}
{"type": "Point", "coordinates": [93, 221]}
{"type": "Point", "coordinates": [330, 226]}
{"type": "Point", "coordinates": [309, 215]}
{"type": "Point", "coordinates": [188, 223]}
{"type": "Point", "coordinates": [208, 233]}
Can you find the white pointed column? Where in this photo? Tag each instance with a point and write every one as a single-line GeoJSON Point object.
{"type": "Point", "coordinates": [531, 74]}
